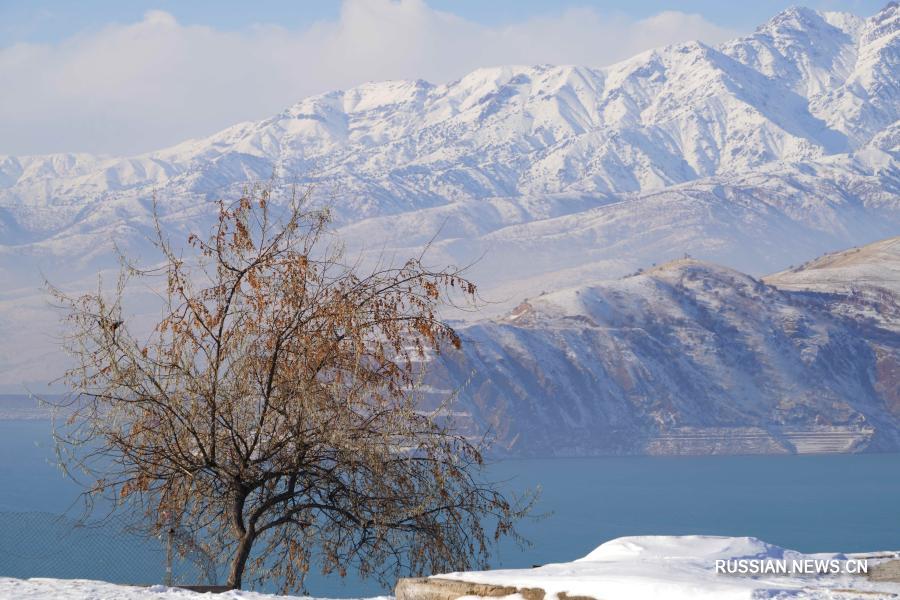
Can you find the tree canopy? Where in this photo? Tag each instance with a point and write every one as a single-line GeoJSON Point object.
{"type": "Point", "coordinates": [273, 410]}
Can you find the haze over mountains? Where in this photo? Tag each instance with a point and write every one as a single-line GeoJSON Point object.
{"type": "Point", "coordinates": [694, 358]}
{"type": "Point", "coordinates": [793, 127]}
{"type": "Point", "coordinates": [759, 155]}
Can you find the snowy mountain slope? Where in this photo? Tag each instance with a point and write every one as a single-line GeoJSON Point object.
{"type": "Point", "coordinates": [873, 266]}
{"type": "Point", "coordinates": [862, 285]}
{"type": "Point", "coordinates": [520, 246]}
{"type": "Point", "coordinates": [664, 117]}
{"type": "Point", "coordinates": [687, 357]}
{"type": "Point", "coordinates": [759, 154]}
{"type": "Point", "coordinates": [793, 91]}
{"type": "Point", "coordinates": [755, 222]}
{"type": "Point", "coordinates": [867, 101]}
{"type": "Point", "coordinates": [847, 67]}
{"type": "Point", "coordinates": [811, 53]}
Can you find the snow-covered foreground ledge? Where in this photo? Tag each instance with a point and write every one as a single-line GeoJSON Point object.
{"type": "Point", "coordinates": [82, 589]}
{"type": "Point", "coordinates": [630, 568]}
{"type": "Point", "coordinates": [683, 567]}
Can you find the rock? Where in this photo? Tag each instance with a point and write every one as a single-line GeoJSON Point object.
{"type": "Point", "coordinates": [433, 588]}
{"type": "Point", "coordinates": [886, 571]}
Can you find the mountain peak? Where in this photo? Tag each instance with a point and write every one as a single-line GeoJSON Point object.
{"type": "Point", "coordinates": [690, 272]}
{"type": "Point", "coordinates": [798, 22]}
{"type": "Point", "coordinates": [556, 175]}
{"type": "Point", "coordinates": [884, 23]}
{"type": "Point", "coordinates": [811, 53]}
{"type": "Point", "coordinates": [889, 11]}
{"type": "Point", "coordinates": [797, 17]}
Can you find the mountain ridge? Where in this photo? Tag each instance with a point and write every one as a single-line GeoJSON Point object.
{"type": "Point", "coordinates": [760, 153]}
{"type": "Point", "coordinates": [622, 88]}
{"type": "Point", "coordinates": [687, 358]}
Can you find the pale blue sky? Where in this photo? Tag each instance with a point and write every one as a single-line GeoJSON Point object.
{"type": "Point", "coordinates": [52, 20]}
{"type": "Point", "coordinates": [131, 76]}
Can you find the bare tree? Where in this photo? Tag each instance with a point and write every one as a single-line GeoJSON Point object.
{"type": "Point", "coordinates": [272, 410]}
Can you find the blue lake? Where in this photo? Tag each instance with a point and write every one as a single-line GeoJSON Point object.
{"type": "Point", "coordinates": [808, 503]}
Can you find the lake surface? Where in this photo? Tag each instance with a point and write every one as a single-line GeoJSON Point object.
{"type": "Point", "coordinates": [808, 503]}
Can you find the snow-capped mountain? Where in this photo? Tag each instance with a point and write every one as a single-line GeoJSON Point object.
{"type": "Point", "coordinates": [805, 88]}
{"type": "Point", "coordinates": [759, 154]}
{"type": "Point", "coordinates": [690, 357]}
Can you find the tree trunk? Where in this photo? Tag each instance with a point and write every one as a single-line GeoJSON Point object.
{"type": "Point", "coordinates": [236, 573]}
{"type": "Point", "coordinates": [243, 534]}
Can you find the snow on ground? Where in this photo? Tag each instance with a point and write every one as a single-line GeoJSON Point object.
{"type": "Point", "coordinates": [628, 568]}
{"type": "Point", "coordinates": [82, 589]}
{"type": "Point", "coordinates": [684, 567]}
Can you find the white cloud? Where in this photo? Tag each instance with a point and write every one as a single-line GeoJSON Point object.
{"type": "Point", "coordinates": [131, 88]}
